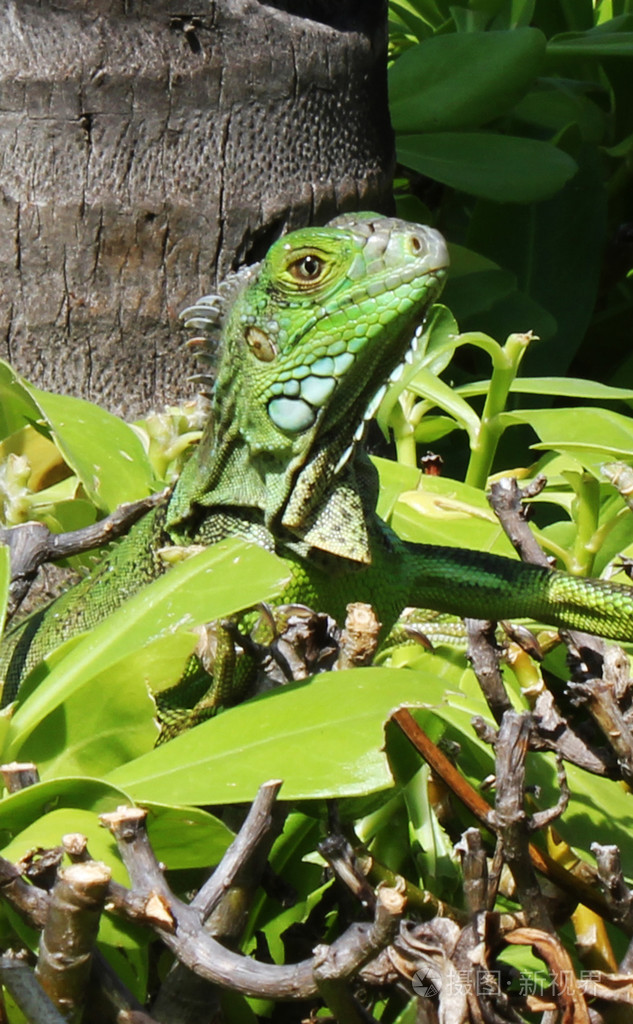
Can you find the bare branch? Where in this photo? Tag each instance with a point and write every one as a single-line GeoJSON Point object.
{"type": "Point", "coordinates": [475, 870]}
{"type": "Point", "coordinates": [31, 544]}
{"type": "Point", "coordinates": [577, 886]}
{"type": "Point", "coordinates": [223, 903]}
{"type": "Point", "coordinates": [483, 655]}
{"type": "Point", "coordinates": [70, 933]}
{"type": "Point", "coordinates": [506, 500]}
{"type": "Point", "coordinates": [610, 873]}
{"type": "Point", "coordinates": [27, 992]}
{"type": "Point", "coordinates": [30, 902]}
{"type": "Point", "coordinates": [510, 819]}
{"type": "Point", "coordinates": [183, 933]}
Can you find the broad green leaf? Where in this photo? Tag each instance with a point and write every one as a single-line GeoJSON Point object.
{"type": "Point", "coordinates": [394, 479]}
{"type": "Point", "coordinates": [504, 168]}
{"type": "Point", "coordinates": [215, 583]}
{"type": "Point", "coordinates": [104, 452]}
{"type": "Point", "coordinates": [111, 719]}
{"type": "Point", "coordinates": [47, 831]}
{"type": "Point", "coordinates": [462, 80]}
{"type": "Point", "coordinates": [439, 339]}
{"type": "Point", "coordinates": [19, 810]}
{"type": "Point", "coordinates": [554, 104]}
{"type": "Point", "coordinates": [555, 249]}
{"type": "Point", "coordinates": [593, 436]}
{"type": "Point", "coordinates": [324, 738]}
{"type": "Point", "coordinates": [44, 457]}
{"type": "Point", "coordinates": [599, 42]}
{"type": "Point", "coordinates": [413, 24]}
{"type": "Point", "coordinates": [478, 292]}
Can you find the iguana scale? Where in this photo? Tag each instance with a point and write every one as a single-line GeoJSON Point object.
{"type": "Point", "coordinates": [310, 337]}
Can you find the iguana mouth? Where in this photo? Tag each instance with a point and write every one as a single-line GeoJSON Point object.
{"type": "Point", "coordinates": [378, 393]}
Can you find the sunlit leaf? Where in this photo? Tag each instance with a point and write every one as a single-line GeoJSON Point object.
{"type": "Point", "coordinates": [324, 738]}
{"type": "Point", "coordinates": [198, 590]}
{"type": "Point", "coordinates": [592, 435]}
{"type": "Point", "coordinates": [104, 452]}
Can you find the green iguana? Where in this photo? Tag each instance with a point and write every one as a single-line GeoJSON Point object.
{"type": "Point", "coordinates": [309, 338]}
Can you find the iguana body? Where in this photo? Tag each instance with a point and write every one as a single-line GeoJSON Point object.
{"type": "Point", "coordinates": [310, 337]}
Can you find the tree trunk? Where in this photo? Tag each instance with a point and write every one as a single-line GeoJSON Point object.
{"type": "Point", "coordinates": [143, 150]}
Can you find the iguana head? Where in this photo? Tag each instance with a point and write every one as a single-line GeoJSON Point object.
{"type": "Point", "coordinates": [314, 333]}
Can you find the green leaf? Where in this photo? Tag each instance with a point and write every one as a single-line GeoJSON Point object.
{"type": "Point", "coordinates": [555, 103]}
{"type": "Point", "coordinates": [613, 39]}
{"type": "Point", "coordinates": [555, 249]}
{"type": "Point", "coordinates": [440, 510]}
{"type": "Point", "coordinates": [413, 24]}
{"type": "Point", "coordinates": [478, 292]}
{"type": "Point", "coordinates": [434, 389]}
{"type": "Point", "coordinates": [5, 579]}
{"type": "Point", "coordinates": [46, 833]}
{"type": "Point", "coordinates": [19, 810]}
{"type": "Point", "coordinates": [47, 830]}
{"type": "Point", "coordinates": [186, 837]}
{"type": "Point", "coordinates": [16, 405]}
{"type": "Point", "coordinates": [504, 168]}
{"type": "Point", "coordinates": [111, 719]}
{"type": "Point", "coordinates": [324, 738]}
{"type": "Point", "coordinates": [394, 479]}
{"type": "Point", "coordinates": [462, 80]}
{"type": "Point", "coordinates": [564, 387]}
{"type": "Point", "coordinates": [218, 582]}
{"type": "Point", "coordinates": [432, 428]}
{"type": "Point", "coordinates": [591, 435]}
{"type": "Point", "coordinates": [104, 452]}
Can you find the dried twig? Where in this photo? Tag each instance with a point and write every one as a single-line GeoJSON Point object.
{"type": "Point", "coordinates": [577, 887]}
{"type": "Point", "coordinates": [223, 903]}
{"type": "Point", "coordinates": [183, 933]}
{"type": "Point", "coordinates": [483, 655]}
{"type": "Point", "coordinates": [601, 693]}
{"type": "Point", "coordinates": [18, 775]}
{"type": "Point", "coordinates": [600, 670]}
{"type": "Point", "coordinates": [30, 902]}
{"type": "Point", "coordinates": [617, 891]}
{"type": "Point", "coordinates": [474, 869]}
{"type": "Point", "coordinates": [509, 818]}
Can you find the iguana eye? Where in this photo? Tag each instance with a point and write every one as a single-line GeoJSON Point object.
{"type": "Point", "coordinates": [307, 269]}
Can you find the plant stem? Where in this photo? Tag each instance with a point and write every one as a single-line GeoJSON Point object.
{"type": "Point", "coordinates": [505, 365]}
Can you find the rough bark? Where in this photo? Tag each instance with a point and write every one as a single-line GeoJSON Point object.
{"type": "Point", "coordinates": [147, 144]}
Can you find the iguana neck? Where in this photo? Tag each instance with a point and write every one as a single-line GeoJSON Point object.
{"type": "Point", "coordinates": [309, 505]}
{"type": "Point", "coordinates": [312, 335]}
